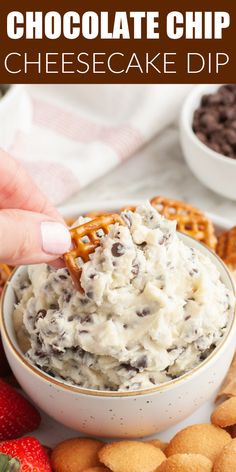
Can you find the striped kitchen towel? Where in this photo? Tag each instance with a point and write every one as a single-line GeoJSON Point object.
{"type": "Point", "coordinates": [79, 132]}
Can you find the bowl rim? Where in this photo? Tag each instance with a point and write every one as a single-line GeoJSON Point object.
{"type": "Point", "coordinates": [104, 393]}
{"type": "Point", "coordinates": [186, 123]}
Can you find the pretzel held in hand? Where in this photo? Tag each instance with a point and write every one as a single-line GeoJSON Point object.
{"type": "Point", "coordinates": [86, 238]}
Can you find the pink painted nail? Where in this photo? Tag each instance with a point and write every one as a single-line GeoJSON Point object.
{"type": "Point", "coordinates": [56, 238]}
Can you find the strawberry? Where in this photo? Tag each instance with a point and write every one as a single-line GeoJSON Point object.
{"type": "Point", "coordinates": [17, 415]}
{"type": "Point", "coordinates": [23, 455]}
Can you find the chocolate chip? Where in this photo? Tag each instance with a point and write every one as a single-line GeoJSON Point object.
{"type": "Point", "coordinates": [228, 98]}
{"type": "Point", "coordinates": [40, 314]}
{"type": "Point", "coordinates": [68, 297]}
{"type": "Point", "coordinates": [209, 122]}
{"type": "Point", "coordinates": [128, 367]}
{"type": "Point", "coordinates": [117, 250]}
{"type": "Point", "coordinates": [152, 380]}
{"type": "Point", "coordinates": [141, 363]}
{"type": "Point", "coordinates": [227, 114]}
{"type": "Point", "coordinates": [89, 294]}
{"type": "Point", "coordinates": [214, 121]}
{"type": "Point", "coordinates": [83, 331]}
{"type": "Point", "coordinates": [92, 276]}
{"type": "Point", "coordinates": [215, 99]}
{"type": "Point", "coordinates": [187, 317]}
{"type": "Point", "coordinates": [62, 335]}
{"type": "Point", "coordinates": [171, 349]}
{"type": "Point", "coordinates": [227, 150]}
{"type": "Point", "coordinates": [48, 371]}
{"type": "Point", "coordinates": [143, 312]}
{"type": "Point", "coordinates": [84, 301]}
{"type": "Point", "coordinates": [39, 340]}
{"type": "Point", "coordinates": [201, 136]}
{"type": "Point", "coordinates": [207, 352]}
{"type": "Point", "coordinates": [230, 136]}
{"type": "Point", "coordinates": [54, 306]}
{"type": "Point", "coordinates": [142, 245]}
{"type": "Point", "coordinates": [172, 376]}
{"type": "Point", "coordinates": [40, 354]}
{"type": "Point", "coordinates": [78, 350]}
{"type": "Point", "coordinates": [87, 319]}
{"type": "Point", "coordinates": [23, 286]}
{"type": "Point", "coordinates": [56, 349]}
{"type": "Point", "coordinates": [204, 102]}
{"type": "Point", "coordinates": [215, 147]}
{"type": "Point", "coordinates": [62, 277]}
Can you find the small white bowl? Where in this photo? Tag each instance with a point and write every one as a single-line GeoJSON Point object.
{"type": "Point", "coordinates": [216, 171]}
{"type": "Point", "coordinates": [120, 414]}
{"type": "Point", "coordinates": [15, 115]}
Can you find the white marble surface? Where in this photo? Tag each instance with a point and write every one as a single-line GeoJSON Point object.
{"type": "Point", "coordinates": [158, 168]}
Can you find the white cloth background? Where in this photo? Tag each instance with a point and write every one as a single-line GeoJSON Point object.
{"type": "Point", "coordinates": [79, 132]}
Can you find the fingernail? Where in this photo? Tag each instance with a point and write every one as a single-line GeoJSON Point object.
{"type": "Point", "coordinates": [56, 238]}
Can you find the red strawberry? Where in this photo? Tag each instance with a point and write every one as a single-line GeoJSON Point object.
{"type": "Point", "coordinates": [23, 455]}
{"type": "Point", "coordinates": [17, 415]}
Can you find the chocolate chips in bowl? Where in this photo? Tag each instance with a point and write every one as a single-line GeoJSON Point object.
{"type": "Point", "coordinates": [208, 136]}
{"type": "Point", "coordinates": [214, 121]}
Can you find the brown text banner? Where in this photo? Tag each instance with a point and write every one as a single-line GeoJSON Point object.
{"type": "Point", "coordinates": [121, 42]}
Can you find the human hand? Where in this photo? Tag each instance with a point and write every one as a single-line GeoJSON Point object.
{"type": "Point", "coordinates": [31, 229]}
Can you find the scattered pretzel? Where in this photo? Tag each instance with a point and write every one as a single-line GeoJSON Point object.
{"type": "Point", "coordinates": [86, 239]}
{"type": "Point", "coordinates": [226, 247]}
{"type": "Point", "coordinates": [190, 220]}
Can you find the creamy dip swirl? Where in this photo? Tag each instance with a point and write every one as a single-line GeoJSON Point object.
{"type": "Point", "coordinates": [152, 309]}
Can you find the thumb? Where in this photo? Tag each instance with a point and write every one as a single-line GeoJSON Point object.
{"type": "Point", "coordinates": [27, 237]}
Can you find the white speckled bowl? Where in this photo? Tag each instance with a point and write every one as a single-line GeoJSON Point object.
{"type": "Point", "coordinates": [117, 414]}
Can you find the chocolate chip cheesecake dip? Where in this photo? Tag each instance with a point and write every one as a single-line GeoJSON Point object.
{"type": "Point", "coordinates": [152, 309]}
